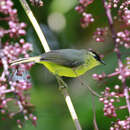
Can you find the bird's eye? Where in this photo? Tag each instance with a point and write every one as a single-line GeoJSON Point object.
{"type": "Point", "coordinates": [96, 56]}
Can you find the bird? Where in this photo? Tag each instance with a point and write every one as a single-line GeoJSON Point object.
{"type": "Point", "coordinates": [65, 62]}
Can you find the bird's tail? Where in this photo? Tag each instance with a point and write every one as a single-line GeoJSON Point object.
{"type": "Point", "coordinates": [26, 60]}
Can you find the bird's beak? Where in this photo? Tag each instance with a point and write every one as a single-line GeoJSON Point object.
{"type": "Point", "coordinates": [102, 62]}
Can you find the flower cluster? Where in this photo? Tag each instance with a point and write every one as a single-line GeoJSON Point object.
{"type": "Point", "coordinates": [123, 38]}
{"type": "Point", "coordinates": [122, 72]}
{"type": "Point", "coordinates": [113, 3]}
{"type": "Point", "coordinates": [124, 12]}
{"type": "Point", "coordinates": [121, 124]}
{"type": "Point", "coordinates": [100, 33]}
{"type": "Point", "coordinates": [37, 2]}
{"type": "Point", "coordinates": [87, 18]}
{"type": "Point", "coordinates": [6, 7]}
{"type": "Point", "coordinates": [125, 71]}
{"type": "Point", "coordinates": [13, 85]}
{"type": "Point", "coordinates": [109, 98]}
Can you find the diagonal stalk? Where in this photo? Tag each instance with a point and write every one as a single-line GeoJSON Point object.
{"type": "Point", "coordinates": [46, 48]}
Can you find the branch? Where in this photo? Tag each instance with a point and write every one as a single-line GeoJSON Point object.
{"type": "Point", "coordinates": [63, 88]}
{"type": "Point", "coordinates": [46, 48]}
{"type": "Point", "coordinates": [35, 25]}
{"type": "Point", "coordinates": [89, 88]}
{"type": "Point", "coordinates": [120, 64]}
{"type": "Point", "coordinates": [94, 114]}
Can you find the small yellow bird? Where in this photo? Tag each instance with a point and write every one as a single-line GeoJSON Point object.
{"type": "Point", "coordinates": [65, 62]}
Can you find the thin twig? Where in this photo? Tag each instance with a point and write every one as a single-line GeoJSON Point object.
{"type": "Point", "coordinates": [121, 107]}
{"type": "Point", "coordinates": [113, 74]}
{"type": "Point", "coordinates": [94, 114]}
{"type": "Point", "coordinates": [63, 88]}
{"type": "Point", "coordinates": [89, 88]}
{"type": "Point", "coordinates": [120, 64]}
{"type": "Point", "coordinates": [46, 48]}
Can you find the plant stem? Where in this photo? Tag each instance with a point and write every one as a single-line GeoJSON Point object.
{"type": "Point", "coordinates": [63, 88]}
{"type": "Point", "coordinates": [94, 114]}
{"type": "Point", "coordinates": [120, 64]}
{"type": "Point", "coordinates": [71, 109]}
{"type": "Point", "coordinates": [35, 25]}
{"type": "Point", "coordinates": [46, 48]}
{"type": "Point", "coordinates": [89, 88]}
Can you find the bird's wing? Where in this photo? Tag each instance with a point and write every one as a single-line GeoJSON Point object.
{"type": "Point", "coordinates": [65, 57]}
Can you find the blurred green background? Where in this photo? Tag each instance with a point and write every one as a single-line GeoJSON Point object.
{"type": "Point", "coordinates": [61, 25]}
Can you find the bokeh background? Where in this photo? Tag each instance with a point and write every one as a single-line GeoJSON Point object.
{"type": "Point", "coordinates": [61, 26]}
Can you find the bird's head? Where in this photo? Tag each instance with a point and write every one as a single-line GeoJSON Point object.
{"type": "Point", "coordinates": [96, 56]}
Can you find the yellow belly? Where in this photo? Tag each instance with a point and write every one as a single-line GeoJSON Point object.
{"type": "Point", "coordinates": [66, 71]}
